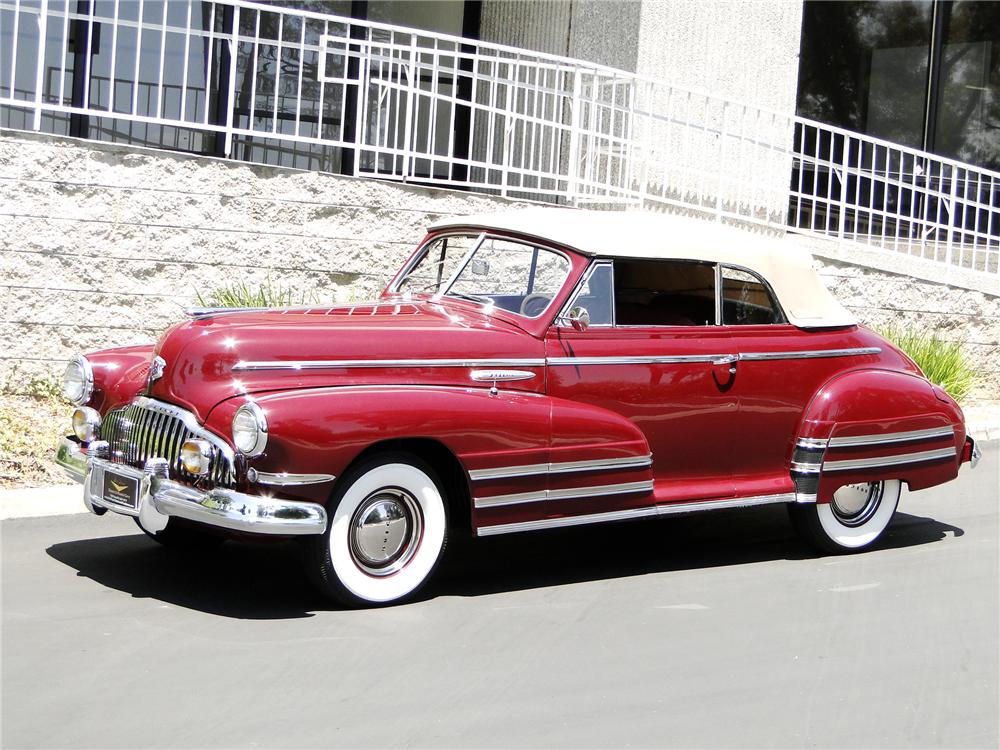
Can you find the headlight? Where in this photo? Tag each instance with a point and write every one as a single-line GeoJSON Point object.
{"type": "Point", "coordinates": [86, 424]}
{"type": "Point", "coordinates": [250, 430]}
{"type": "Point", "coordinates": [78, 381]}
{"type": "Point", "coordinates": [196, 456]}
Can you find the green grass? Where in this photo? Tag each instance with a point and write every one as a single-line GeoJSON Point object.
{"type": "Point", "coordinates": [943, 362]}
{"type": "Point", "coordinates": [242, 294]}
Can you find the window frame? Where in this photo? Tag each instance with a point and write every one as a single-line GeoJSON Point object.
{"type": "Point", "coordinates": [561, 319]}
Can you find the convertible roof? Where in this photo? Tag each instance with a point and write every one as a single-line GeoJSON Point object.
{"type": "Point", "coordinates": [631, 234]}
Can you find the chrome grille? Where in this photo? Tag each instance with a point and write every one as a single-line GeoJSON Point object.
{"type": "Point", "coordinates": [152, 429]}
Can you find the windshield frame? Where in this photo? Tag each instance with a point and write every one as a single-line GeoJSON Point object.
{"type": "Point", "coordinates": [481, 236]}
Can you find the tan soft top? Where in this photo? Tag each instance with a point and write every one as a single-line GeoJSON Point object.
{"type": "Point", "coordinates": [626, 234]}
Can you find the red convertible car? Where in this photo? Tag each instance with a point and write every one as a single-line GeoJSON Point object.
{"type": "Point", "coordinates": [523, 371]}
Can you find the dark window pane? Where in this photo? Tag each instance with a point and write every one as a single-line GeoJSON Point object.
{"type": "Point", "coordinates": [863, 66]}
{"type": "Point", "coordinates": [746, 300]}
{"type": "Point", "coordinates": [968, 111]}
{"type": "Point", "coordinates": [664, 293]}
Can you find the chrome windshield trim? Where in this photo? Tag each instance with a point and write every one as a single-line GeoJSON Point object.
{"type": "Point", "coordinates": [878, 461]}
{"type": "Point", "coordinates": [286, 479]}
{"type": "Point", "coordinates": [570, 493]}
{"type": "Point", "coordinates": [630, 513]}
{"type": "Point", "coordinates": [810, 354]}
{"type": "Point", "coordinates": [893, 437]}
{"type": "Point", "coordinates": [330, 364]}
{"type": "Point", "coordinates": [565, 467]}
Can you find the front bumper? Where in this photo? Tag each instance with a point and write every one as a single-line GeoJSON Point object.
{"type": "Point", "coordinates": [161, 498]}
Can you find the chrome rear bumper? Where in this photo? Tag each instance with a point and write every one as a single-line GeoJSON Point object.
{"type": "Point", "coordinates": [160, 498]}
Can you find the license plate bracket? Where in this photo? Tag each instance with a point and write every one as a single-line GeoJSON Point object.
{"type": "Point", "coordinates": [120, 490]}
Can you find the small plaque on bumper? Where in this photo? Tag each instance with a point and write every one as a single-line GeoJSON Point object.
{"type": "Point", "coordinates": [120, 490]}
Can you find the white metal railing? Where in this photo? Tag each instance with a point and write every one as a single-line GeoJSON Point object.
{"type": "Point", "coordinates": [279, 85]}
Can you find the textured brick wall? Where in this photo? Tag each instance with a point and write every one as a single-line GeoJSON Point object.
{"type": "Point", "coordinates": [104, 245]}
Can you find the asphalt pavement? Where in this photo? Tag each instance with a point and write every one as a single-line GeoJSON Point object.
{"type": "Point", "coordinates": [712, 630]}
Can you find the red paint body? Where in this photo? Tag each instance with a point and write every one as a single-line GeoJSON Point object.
{"type": "Point", "coordinates": [712, 434]}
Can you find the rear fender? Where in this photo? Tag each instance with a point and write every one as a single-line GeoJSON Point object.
{"type": "Point", "coordinates": [871, 425]}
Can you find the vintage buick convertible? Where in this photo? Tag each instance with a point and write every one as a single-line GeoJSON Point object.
{"type": "Point", "coordinates": [526, 370]}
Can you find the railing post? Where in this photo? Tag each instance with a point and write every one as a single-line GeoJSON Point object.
{"type": "Point", "coordinates": [411, 105]}
{"type": "Point", "coordinates": [845, 162]}
{"type": "Point", "coordinates": [574, 138]}
{"type": "Point", "coordinates": [234, 49]}
{"type": "Point", "coordinates": [722, 163]}
{"type": "Point", "coordinates": [952, 214]}
{"type": "Point", "coordinates": [42, 22]}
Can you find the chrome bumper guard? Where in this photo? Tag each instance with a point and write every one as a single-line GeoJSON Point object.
{"type": "Point", "coordinates": [974, 454]}
{"type": "Point", "coordinates": [224, 508]}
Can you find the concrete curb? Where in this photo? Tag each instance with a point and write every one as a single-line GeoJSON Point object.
{"type": "Point", "coordinates": [36, 502]}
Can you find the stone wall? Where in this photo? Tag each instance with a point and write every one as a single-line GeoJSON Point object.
{"type": "Point", "coordinates": [880, 298]}
{"type": "Point", "coordinates": [104, 245]}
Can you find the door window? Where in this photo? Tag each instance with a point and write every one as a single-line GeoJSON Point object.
{"type": "Point", "coordinates": [746, 300]}
{"type": "Point", "coordinates": [664, 293]}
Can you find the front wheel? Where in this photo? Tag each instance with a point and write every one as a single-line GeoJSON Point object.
{"type": "Point", "coordinates": [385, 535]}
{"type": "Point", "coordinates": [853, 520]}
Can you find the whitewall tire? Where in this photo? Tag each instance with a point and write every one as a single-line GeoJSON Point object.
{"type": "Point", "coordinates": [387, 528]}
{"type": "Point", "coordinates": [853, 520]}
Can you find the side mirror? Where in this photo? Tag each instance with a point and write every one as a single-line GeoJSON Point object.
{"type": "Point", "coordinates": [579, 318]}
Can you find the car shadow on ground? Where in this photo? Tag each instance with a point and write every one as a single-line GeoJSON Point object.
{"type": "Point", "coordinates": [265, 580]}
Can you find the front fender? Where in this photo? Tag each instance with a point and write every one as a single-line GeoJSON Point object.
{"type": "Point", "coordinates": [869, 425]}
{"type": "Point", "coordinates": [119, 374]}
{"type": "Point", "coordinates": [323, 430]}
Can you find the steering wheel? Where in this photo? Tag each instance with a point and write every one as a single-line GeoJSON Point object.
{"type": "Point", "coordinates": [533, 304]}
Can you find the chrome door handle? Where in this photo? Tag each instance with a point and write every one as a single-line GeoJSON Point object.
{"type": "Point", "coordinates": [726, 359]}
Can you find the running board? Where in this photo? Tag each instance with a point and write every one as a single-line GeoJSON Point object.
{"type": "Point", "coordinates": [629, 513]}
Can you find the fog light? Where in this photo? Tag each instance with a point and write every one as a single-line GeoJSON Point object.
{"type": "Point", "coordinates": [196, 456]}
{"type": "Point", "coordinates": [86, 424]}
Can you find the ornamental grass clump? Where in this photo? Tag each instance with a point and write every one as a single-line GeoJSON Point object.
{"type": "Point", "coordinates": [943, 362]}
{"type": "Point", "coordinates": [242, 294]}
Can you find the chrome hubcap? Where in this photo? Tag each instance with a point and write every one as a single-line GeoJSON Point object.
{"type": "Point", "coordinates": [385, 531]}
{"type": "Point", "coordinates": [854, 504]}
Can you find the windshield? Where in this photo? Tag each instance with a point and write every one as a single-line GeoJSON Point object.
{"type": "Point", "coordinates": [516, 276]}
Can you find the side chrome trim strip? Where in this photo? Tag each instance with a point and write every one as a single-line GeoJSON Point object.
{"type": "Point", "coordinates": [679, 359]}
{"type": "Point", "coordinates": [893, 437]}
{"type": "Point", "coordinates": [565, 467]}
{"type": "Point", "coordinates": [877, 461]}
{"type": "Point", "coordinates": [329, 364]}
{"type": "Point", "coordinates": [569, 493]}
{"type": "Point", "coordinates": [811, 354]}
{"type": "Point", "coordinates": [811, 443]}
{"type": "Point", "coordinates": [326, 364]}
{"type": "Point", "coordinates": [284, 479]}
{"type": "Point", "coordinates": [623, 515]}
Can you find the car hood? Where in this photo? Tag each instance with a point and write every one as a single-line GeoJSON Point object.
{"type": "Point", "coordinates": [215, 357]}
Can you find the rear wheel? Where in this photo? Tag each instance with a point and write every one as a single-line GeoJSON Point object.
{"type": "Point", "coordinates": [853, 520]}
{"type": "Point", "coordinates": [385, 534]}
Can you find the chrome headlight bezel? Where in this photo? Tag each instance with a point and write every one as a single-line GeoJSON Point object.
{"type": "Point", "coordinates": [249, 430]}
{"type": "Point", "coordinates": [78, 381]}
{"type": "Point", "coordinates": [86, 424]}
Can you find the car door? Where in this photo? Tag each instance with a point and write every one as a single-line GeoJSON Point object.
{"type": "Point", "coordinates": [654, 356]}
{"type": "Point", "coordinates": [780, 369]}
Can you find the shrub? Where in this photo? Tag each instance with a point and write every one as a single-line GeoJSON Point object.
{"type": "Point", "coordinates": [242, 294]}
{"type": "Point", "coordinates": [943, 362]}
